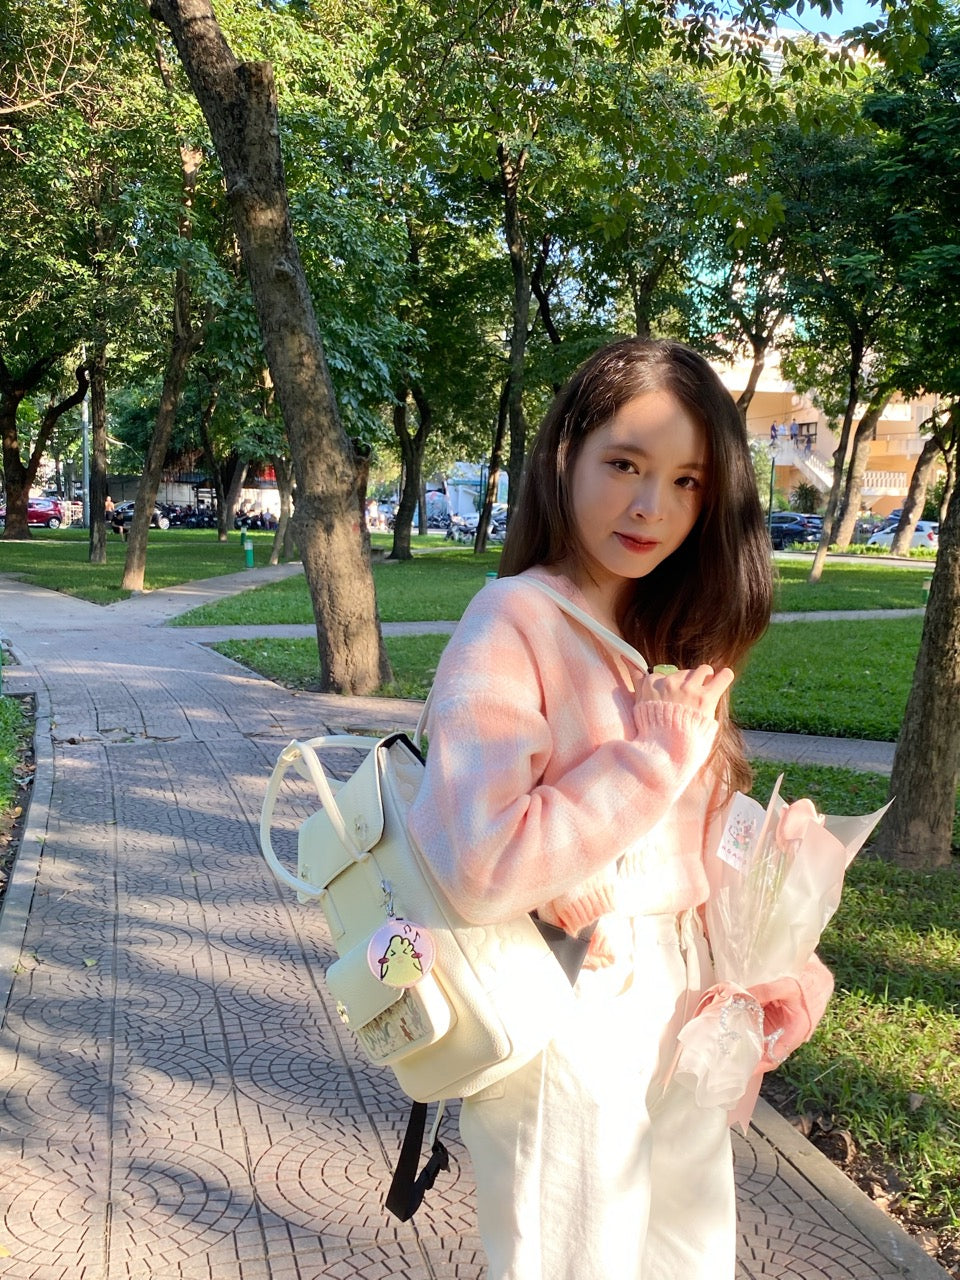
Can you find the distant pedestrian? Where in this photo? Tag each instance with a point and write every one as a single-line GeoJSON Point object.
{"type": "Point", "coordinates": [557, 783]}
{"type": "Point", "coordinates": [774, 432]}
{"type": "Point", "coordinates": [794, 431]}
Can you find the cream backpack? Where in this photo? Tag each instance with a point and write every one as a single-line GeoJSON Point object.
{"type": "Point", "coordinates": [449, 1006]}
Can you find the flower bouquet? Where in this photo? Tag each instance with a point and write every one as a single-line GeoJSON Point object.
{"type": "Point", "coordinates": [775, 881]}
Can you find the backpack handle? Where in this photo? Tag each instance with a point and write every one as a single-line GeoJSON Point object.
{"type": "Point", "coordinates": [302, 756]}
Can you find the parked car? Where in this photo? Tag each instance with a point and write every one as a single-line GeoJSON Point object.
{"type": "Point", "coordinates": [47, 512]}
{"type": "Point", "coordinates": [926, 534]}
{"type": "Point", "coordinates": [788, 527]}
{"type": "Point", "coordinates": [122, 518]}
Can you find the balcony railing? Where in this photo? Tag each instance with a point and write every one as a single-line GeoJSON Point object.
{"type": "Point", "coordinates": [878, 484]}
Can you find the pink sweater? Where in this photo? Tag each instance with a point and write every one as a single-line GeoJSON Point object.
{"type": "Point", "coordinates": [549, 785]}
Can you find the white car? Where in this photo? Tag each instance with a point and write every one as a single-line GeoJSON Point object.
{"type": "Point", "coordinates": [926, 534]}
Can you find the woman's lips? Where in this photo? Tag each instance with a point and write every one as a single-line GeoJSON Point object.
{"type": "Point", "coordinates": [636, 544]}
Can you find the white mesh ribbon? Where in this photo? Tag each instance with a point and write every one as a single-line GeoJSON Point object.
{"type": "Point", "coordinates": [722, 1045]}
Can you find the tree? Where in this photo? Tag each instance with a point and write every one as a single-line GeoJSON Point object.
{"type": "Point", "coordinates": [239, 103]}
{"type": "Point", "coordinates": [845, 285]}
{"type": "Point", "coordinates": [185, 337]}
{"type": "Point", "coordinates": [921, 112]}
{"type": "Point", "coordinates": [917, 831]}
{"type": "Point", "coordinates": [20, 475]}
{"type": "Point", "coordinates": [914, 503]}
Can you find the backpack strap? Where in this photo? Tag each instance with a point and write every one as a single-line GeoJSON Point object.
{"type": "Point", "coordinates": [407, 1187]}
{"type": "Point", "coordinates": [609, 638]}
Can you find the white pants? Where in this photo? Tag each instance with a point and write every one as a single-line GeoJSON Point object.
{"type": "Point", "coordinates": [586, 1167]}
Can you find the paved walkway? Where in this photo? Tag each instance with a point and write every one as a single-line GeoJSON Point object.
{"type": "Point", "coordinates": [179, 1101]}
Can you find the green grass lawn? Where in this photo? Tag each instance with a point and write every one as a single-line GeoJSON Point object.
{"type": "Point", "coordinates": [58, 560]}
{"type": "Point", "coordinates": [12, 730]}
{"type": "Point", "coordinates": [847, 586]}
{"type": "Point", "coordinates": [442, 584]}
{"type": "Point", "coordinates": [295, 663]}
{"type": "Point", "coordinates": [839, 679]}
{"type": "Point", "coordinates": [429, 587]}
{"type": "Point", "coordinates": [437, 584]}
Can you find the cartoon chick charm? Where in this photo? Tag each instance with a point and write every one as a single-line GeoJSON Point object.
{"type": "Point", "coordinates": [401, 953]}
{"type": "Point", "coordinates": [400, 963]}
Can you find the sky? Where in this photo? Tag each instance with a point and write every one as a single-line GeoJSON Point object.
{"type": "Point", "coordinates": [853, 13]}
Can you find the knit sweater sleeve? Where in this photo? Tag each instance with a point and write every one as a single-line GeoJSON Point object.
{"type": "Point", "coordinates": [522, 803]}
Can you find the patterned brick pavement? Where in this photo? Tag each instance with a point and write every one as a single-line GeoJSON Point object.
{"type": "Point", "coordinates": [178, 1100]}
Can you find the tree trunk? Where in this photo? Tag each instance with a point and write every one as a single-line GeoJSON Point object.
{"type": "Point", "coordinates": [511, 169]}
{"type": "Point", "coordinates": [493, 477]}
{"type": "Point", "coordinates": [19, 475]}
{"type": "Point", "coordinates": [643, 287]}
{"type": "Point", "coordinates": [542, 295]}
{"type": "Point", "coordinates": [917, 832]}
{"type": "Point", "coordinates": [748, 392]}
{"type": "Point", "coordinates": [403, 516]}
{"type": "Point", "coordinates": [97, 495]}
{"type": "Point", "coordinates": [284, 473]}
{"type": "Point", "coordinates": [424, 427]}
{"type": "Point", "coordinates": [185, 339]}
{"type": "Point", "coordinates": [12, 393]}
{"type": "Point", "coordinates": [866, 430]}
{"type": "Point", "coordinates": [224, 515]}
{"type": "Point", "coordinates": [839, 462]}
{"type": "Point", "coordinates": [412, 448]}
{"type": "Point", "coordinates": [52, 414]}
{"type": "Point", "coordinates": [237, 471]}
{"type": "Point", "coordinates": [183, 344]}
{"type": "Point", "coordinates": [916, 496]}
{"type": "Point", "coordinates": [239, 103]}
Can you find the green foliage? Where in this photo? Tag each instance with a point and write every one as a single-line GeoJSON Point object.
{"type": "Point", "coordinates": [13, 730]}
{"type": "Point", "coordinates": [805, 498]}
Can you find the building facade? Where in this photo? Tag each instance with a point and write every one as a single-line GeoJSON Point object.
{"type": "Point", "coordinates": [805, 441]}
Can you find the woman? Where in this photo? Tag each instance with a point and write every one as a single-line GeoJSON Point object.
{"type": "Point", "coordinates": [556, 784]}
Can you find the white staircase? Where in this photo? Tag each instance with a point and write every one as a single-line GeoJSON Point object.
{"type": "Point", "coordinates": [812, 466]}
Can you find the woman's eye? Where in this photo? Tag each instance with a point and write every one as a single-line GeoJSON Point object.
{"type": "Point", "coordinates": [621, 464]}
{"type": "Point", "coordinates": [688, 482]}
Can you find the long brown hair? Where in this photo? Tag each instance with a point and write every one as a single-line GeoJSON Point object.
{"type": "Point", "coordinates": [708, 602]}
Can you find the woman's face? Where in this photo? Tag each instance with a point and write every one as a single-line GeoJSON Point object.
{"type": "Point", "coordinates": [637, 488]}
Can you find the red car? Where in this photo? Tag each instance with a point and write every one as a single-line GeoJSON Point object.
{"type": "Point", "coordinates": [43, 511]}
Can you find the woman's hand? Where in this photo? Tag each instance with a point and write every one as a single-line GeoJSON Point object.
{"type": "Point", "coordinates": [700, 689]}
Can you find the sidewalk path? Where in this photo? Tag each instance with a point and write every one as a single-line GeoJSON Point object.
{"type": "Point", "coordinates": [179, 1101]}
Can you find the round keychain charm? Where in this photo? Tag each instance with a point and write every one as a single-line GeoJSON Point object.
{"type": "Point", "coordinates": [400, 953]}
